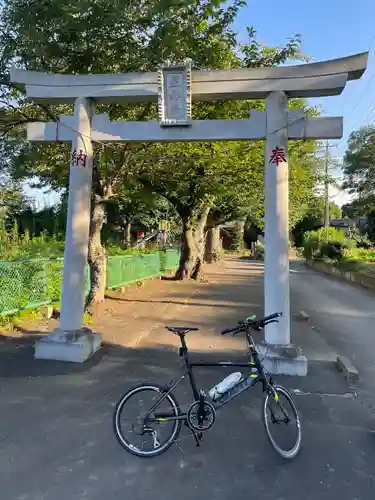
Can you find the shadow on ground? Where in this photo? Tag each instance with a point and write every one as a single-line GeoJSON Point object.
{"type": "Point", "coordinates": [57, 441]}
{"type": "Point", "coordinates": [56, 432]}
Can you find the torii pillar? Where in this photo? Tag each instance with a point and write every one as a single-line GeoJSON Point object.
{"type": "Point", "coordinates": [174, 88]}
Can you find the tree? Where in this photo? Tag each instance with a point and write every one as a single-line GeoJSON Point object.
{"type": "Point", "coordinates": [359, 207]}
{"type": "Point", "coordinates": [359, 165]}
{"type": "Point", "coordinates": [134, 209]}
{"type": "Point", "coordinates": [12, 198]}
{"type": "Point", "coordinates": [359, 176]}
{"type": "Point", "coordinates": [99, 37]}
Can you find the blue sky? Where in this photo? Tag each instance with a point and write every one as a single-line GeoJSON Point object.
{"type": "Point", "coordinates": [329, 29]}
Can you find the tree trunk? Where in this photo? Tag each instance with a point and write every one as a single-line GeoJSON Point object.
{"type": "Point", "coordinates": [188, 255]}
{"type": "Point", "coordinates": [253, 249]}
{"type": "Point", "coordinates": [213, 245]}
{"type": "Point", "coordinates": [96, 258]}
{"type": "Point", "coordinates": [192, 248]}
{"type": "Point", "coordinates": [199, 239]}
{"type": "Point", "coordinates": [128, 234]}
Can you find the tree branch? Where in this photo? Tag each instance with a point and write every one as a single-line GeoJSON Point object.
{"type": "Point", "coordinates": [194, 186]}
{"type": "Point", "coordinates": [162, 191]}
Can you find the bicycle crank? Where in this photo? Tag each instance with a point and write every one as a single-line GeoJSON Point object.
{"type": "Point", "coordinates": [201, 416]}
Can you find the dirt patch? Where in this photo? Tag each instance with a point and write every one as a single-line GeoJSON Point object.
{"type": "Point", "coordinates": [139, 308]}
{"type": "Point", "coordinates": [136, 316]}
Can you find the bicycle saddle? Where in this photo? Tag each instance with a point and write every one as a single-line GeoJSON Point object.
{"type": "Point", "coordinates": [181, 330]}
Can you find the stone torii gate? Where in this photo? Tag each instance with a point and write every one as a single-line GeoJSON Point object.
{"type": "Point", "coordinates": [174, 88]}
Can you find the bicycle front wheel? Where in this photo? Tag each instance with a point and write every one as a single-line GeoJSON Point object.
{"type": "Point", "coordinates": [282, 422]}
{"type": "Point", "coordinates": [137, 430]}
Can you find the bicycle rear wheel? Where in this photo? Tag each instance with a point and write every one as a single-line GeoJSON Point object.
{"type": "Point", "coordinates": [137, 430]}
{"type": "Point", "coordinates": [280, 413]}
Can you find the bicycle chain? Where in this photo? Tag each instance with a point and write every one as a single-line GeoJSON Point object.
{"type": "Point", "coordinates": [191, 432]}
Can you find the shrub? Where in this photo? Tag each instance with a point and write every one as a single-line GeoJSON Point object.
{"type": "Point", "coordinates": [315, 246]}
{"type": "Point", "coordinates": [334, 250]}
{"type": "Point", "coordinates": [361, 254]}
{"type": "Point", "coordinates": [237, 243]}
{"type": "Point", "coordinates": [362, 240]}
{"type": "Point", "coordinates": [259, 251]}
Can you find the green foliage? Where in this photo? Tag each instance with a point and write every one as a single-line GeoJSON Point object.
{"type": "Point", "coordinates": [257, 56]}
{"type": "Point", "coordinates": [357, 260]}
{"type": "Point", "coordinates": [362, 254]}
{"type": "Point", "coordinates": [315, 247]}
{"type": "Point", "coordinates": [362, 240]}
{"type": "Point", "coordinates": [17, 246]}
{"type": "Point", "coordinates": [98, 37]}
{"type": "Point", "coordinates": [340, 251]}
{"type": "Point", "coordinates": [359, 176]}
{"type": "Point", "coordinates": [259, 251]}
{"type": "Point", "coordinates": [359, 207]}
{"type": "Point", "coordinates": [112, 250]}
{"type": "Point", "coordinates": [136, 209]}
{"type": "Point", "coordinates": [359, 163]}
{"type": "Point", "coordinates": [334, 250]}
{"type": "Point", "coordinates": [371, 225]}
{"type": "Point", "coordinates": [14, 321]}
{"type": "Point", "coordinates": [12, 199]}
{"type": "Point", "coordinates": [313, 218]}
{"type": "Point", "coordinates": [237, 244]}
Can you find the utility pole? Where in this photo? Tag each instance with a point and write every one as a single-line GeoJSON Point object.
{"type": "Point", "coordinates": [327, 162]}
{"type": "Point", "coordinates": [326, 193]}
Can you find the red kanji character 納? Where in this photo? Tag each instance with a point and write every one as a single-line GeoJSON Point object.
{"type": "Point", "coordinates": [81, 158]}
{"type": "Point", "coordinates": [73, 158]}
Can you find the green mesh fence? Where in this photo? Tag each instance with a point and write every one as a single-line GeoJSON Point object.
{"type": "Point", "coordinates": [169, 260]}
{"type": "Point", "coordinates": [31, 283]}
{"type": "Point", "coordinates": [123, 269]}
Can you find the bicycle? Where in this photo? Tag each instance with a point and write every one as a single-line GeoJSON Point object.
{"type": "Point", "coordinates": [201, 413]}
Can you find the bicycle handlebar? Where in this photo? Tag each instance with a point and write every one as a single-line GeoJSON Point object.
{"type": "Point", "coordinates": [229, 330]}
{"type": "Point", "coordinates": [256, 324]}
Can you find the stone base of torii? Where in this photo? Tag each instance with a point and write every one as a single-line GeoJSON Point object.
{"type": "Point", "coordinates": [174, 88]}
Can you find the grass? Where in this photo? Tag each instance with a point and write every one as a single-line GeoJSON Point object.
{"type": "Point", "coordinates": [11, 322]}
{"type": "Point", "coordinates": [21, 318]}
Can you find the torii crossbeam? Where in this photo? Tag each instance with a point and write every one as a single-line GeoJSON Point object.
{"type": "Point", "coordinates": [174, 88]}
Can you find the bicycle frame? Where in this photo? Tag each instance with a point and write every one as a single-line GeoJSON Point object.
{"type": "Point", "coordinates": [242, 386]}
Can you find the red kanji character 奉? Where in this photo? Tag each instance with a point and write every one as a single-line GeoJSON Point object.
{"type": "Point", "coordinates": [277, 155]}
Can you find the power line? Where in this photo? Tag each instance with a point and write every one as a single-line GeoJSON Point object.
{"type": "Point", "coordinates": [362, 93]}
